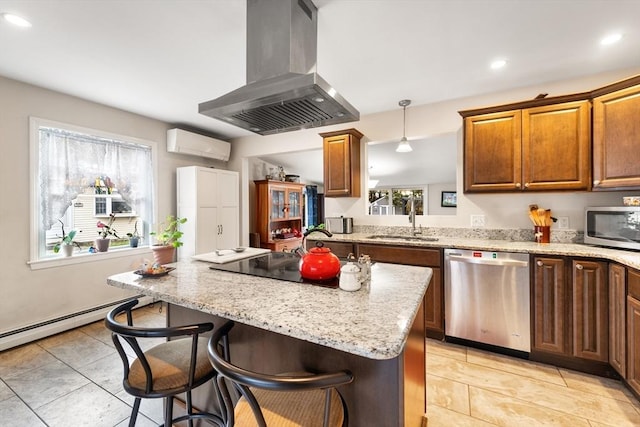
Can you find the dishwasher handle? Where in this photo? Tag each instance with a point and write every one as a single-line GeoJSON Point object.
{"type": "Point", "coordinates": [488, 261]}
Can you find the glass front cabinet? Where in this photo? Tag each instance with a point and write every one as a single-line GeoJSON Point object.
{"type": "Point", "coordinates": [280, 210]}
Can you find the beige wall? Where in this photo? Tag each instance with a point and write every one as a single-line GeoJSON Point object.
{"type": "Point", "coordinates": [500, 210]}
{"type": "Point", "coordinates": [31, 296]}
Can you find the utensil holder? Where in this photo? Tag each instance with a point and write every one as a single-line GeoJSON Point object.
{"type": "Point", "coordinates": [542, 233]}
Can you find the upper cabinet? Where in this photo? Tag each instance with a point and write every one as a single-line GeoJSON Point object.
{"type": "Point", "coordinates": [341, 163]}
{"type": "Point", "coordinates": [545, 144]}
{"type": "Point", "coordinates": [539, 148]}
{"type": "Point", "coordinates": [279, 217]}
{"type": "Point", "coordinates": [616, 137]}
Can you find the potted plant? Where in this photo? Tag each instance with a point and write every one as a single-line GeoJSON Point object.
{"type": "Point", "coordinates": [104, 231]}
{"type": "Point", "coordinates": [167, 240]}
{"type": "Point", "coordinates": [134, 238]}
{"type": "Point", "coordinates": [66, 243]}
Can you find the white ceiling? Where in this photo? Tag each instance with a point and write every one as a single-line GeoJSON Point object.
{"type": "Point", "coordinates": [161, 58]}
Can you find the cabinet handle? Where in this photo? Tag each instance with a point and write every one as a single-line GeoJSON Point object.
{"type": "Point", "coordinates": [539, 263]}
{"type": "Point", "coordinates": [596, 182]}
{"type": "Point", "coordinates": [579, 267]}
{"type": "Point", "coordinates": [517, 185]}
{"type": "Point", "coordinates": [526, 185]}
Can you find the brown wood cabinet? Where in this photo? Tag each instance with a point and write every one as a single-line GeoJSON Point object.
{"type": "Point", "coordinates": [590, 310]}
{"type": "Point", "coordinates": [341, 151]}
{"type": "Point", "coordinates": [340, 249]}
{"type": "Point", "coordinates": [541, 148]}
{"type": "Point", "coordinates": [434, 298]}
{"type": "Point", "coordinates": [280, 206]}
{"type": "Point", "coordinates": [617, 318]}
{"type": "Point", "coordinates": [570, 307]}
{"type": "Point", "coordinates": [550, 306]}
{"type": "Point", "coordinates": [633, 329]}
{"type": "Point", "coordinates": [616, 137]}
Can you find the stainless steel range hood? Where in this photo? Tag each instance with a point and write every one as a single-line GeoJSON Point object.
{"type": "Point", "coordinates": [283, 91]}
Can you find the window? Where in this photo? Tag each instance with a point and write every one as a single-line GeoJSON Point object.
{"type": "Point", "coordinates": [395, 201]}
{"type": "Point", "coordinates": [81, 176]}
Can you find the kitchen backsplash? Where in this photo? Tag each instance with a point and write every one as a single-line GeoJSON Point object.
{"type": "Point", "coordinates": [516, 235]}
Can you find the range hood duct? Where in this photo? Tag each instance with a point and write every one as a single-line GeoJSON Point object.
{"type": "Point", "coordinates": [283, 91]}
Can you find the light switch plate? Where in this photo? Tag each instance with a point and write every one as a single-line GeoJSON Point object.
{"type": "Point", "coordinates": [477, 220]}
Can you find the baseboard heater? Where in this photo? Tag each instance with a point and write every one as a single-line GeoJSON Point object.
{"type": "Point", "coordinates": [60, 324]}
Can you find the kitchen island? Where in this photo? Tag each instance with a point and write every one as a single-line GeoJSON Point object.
{"type": "Point", "coordinates": [377, 332]}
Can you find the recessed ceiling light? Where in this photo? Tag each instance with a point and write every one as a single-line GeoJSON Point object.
{"type": "Point", "coordinates": [16, 20]}
{"type": "Point", "coordinates": [498, 63]}
{"type": "Point", "coordinates": [611, 39]}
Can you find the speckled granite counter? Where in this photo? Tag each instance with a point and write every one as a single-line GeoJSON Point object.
{"type": "Point", "coordinates": [628, 258]}
{"type": "Point", "coordinates": [372, 323]}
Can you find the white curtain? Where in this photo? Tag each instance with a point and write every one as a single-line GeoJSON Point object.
{"type": "Point", "coordinates": [71, 162]}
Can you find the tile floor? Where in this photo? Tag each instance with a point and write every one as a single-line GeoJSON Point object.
{"type": "Point", "coordinates": [74, 379]}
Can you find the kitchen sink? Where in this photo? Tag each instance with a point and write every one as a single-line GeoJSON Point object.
{"type": "Point", "coordinates": [400, 237]}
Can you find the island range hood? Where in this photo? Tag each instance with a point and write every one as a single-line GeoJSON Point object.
{"type": "Point", "coordinates": [283, 91]}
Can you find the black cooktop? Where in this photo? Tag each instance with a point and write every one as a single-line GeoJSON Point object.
{"type": "Point", "coordinates": [274, 265]}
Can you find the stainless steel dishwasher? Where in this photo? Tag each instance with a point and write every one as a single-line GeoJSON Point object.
{"type": "Point", "coordinates": [487, 298]}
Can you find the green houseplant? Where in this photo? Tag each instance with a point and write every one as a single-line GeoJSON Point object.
{"type": "Point", "coordinates": [134, 238]}
{"type": "Point", "coordinates": [104, 231]}
{"type": "Point", "coordinates": [167, 239]}
{"type": "Point", "coordinates": [66, 243]}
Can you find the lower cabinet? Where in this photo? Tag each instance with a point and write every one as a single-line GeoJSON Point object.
{"type": "Point", "coordinates": [618, 318]}
{"type": "Point", "coordinates": [633, 329]}
{"type": "Point", "coordinates": [570, 308]}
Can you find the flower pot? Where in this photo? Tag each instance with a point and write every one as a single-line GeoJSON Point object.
{"type": "Point", "coordinates": [102, 245]}
{"type": "Point", "coordinates": [163, 254]}
{"type": "Point", "coordinates": [133, 241]}
{"type": "Point", "coordinates": [67, 250]}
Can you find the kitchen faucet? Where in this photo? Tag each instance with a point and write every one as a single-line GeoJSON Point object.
{"type": "Point", "coordinates": [302, 250]}
{"type": "Point", "coordinates": [412, 217]}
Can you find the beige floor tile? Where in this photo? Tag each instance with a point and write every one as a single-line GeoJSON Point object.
{"type": "Point", "coordinates": [141, 421]}
{"type": "Point", "coordinates": [447, 394]}
{"type": "Point", "coordinates": [576, 402]}
{"type": "Point", "coordinates": [442, 417]}
{"type": "Point", "coordinates": [5, 392]}
{"type": "Point", "coordinates": [76, 348]}
{"type": "Point", "coordinates": [13, 413]}
{"type": "Point", "coordinates": [507, 411]}
{"type": "Point", "coordinates": [150, 408]}
{"type": "Point", "coordinates": [516, 366]}
{"type": "Point", "coordinates": [24, 358]}
{"type": "Point", "coordinates": [106, 372]}
{"type": "Point", "coordinates": [446, 349]}
{"type": "Point", "coordinates": [86, 406]}
{"type": "Point", "coordinates": [40, 386]}
{"type": "Point", "coordinates": [598, 385]}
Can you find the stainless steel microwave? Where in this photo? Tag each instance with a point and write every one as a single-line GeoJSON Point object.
{"type": "Point", "coordinates": [618, 227]}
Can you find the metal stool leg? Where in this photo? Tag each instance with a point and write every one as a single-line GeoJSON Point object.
{"type": "Point", "coordinates": [168, 414]}
{"type": "Point", "coordinates": [134, 412]}
{"type": "Point", "coordinates": [189, 408]}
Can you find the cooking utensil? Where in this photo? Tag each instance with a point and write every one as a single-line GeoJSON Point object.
{"type": "Point", "coordinates": [319, 263]}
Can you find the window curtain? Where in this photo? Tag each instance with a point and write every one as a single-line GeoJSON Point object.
{"type": "Point", "coordinates": [71, 162]}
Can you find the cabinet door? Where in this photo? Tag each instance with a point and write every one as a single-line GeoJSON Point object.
{"type": "Point", "coordinates": [278, 199]}
{"type": "Point", "coordinates": [617, 319]}
{"type": "Point", "coordinates": [434, 302]}
{"type": "Point", "coordinates": [207, 188]}
{"type": "Point", "coordinates": [341, 155]}
{"type": "Point", "coordinates": [590, 310]}
{"type": "Point", "coordinates": [206, 230]}
{"type": "Point", "coordinates": [616, 126]}
{"type": "Point", "coordinates": [550, 306]}
{"type": "Point", "coordinates": [294, 203]}
{"type": "Point", "coordinates": [633, 338]}
{"type": "Point", "coordinates": [227, 189]}
{"type": "Point", "coordinates": [492, 152]}
{"type": "Point", "coordinates": [228, 228]}
{"type": "Point", "coordinates": [556, 144]}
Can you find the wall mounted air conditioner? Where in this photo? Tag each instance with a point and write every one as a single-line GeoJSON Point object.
{"type": "Point", "coordinates": [184, 142]}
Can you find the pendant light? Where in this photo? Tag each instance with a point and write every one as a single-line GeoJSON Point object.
{"type": "Point", "coordinates": [403, 146]}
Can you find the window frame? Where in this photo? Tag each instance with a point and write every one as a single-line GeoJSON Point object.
{"type": "Point", "coordinates": [34, 199]}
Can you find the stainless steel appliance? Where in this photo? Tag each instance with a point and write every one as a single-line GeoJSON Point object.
{"type": "Point", "coordinates": [340, 225]}
{"type": "Point", "coordinates": [617, 226]}
{"type": "Point", "coordinates": [487, 298]}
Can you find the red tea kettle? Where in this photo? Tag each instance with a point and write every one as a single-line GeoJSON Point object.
{"type": "Point", "coordinates": [319, 263]}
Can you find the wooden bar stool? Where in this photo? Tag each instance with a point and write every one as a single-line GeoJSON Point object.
{"type": "Point", "coordinates": [291, 399]}
{"type": "Point", "coordinates": [165, 370]}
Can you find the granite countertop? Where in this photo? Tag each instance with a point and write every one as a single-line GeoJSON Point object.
{"type": "Point", "coordinates": [373, 322]}
{"type": "Point", "coordinates": [628, 258]}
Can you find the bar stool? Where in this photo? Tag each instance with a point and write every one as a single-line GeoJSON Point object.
{"type": "Point", "coordinates": [165, 370]}
{"type": "Point", "coordinates": [291, 399]}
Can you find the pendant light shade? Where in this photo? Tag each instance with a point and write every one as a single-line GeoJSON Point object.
{"type": "Point", "coordinates": [404, 146]}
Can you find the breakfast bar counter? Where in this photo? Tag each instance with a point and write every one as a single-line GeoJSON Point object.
{"type": "Point", "coordinates": [376, 332]}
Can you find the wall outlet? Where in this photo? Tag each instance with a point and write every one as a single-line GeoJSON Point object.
{"type": "Point", "coordinates": [563, 222]}
{"type": "Point", "coordinates": [477, 220]}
